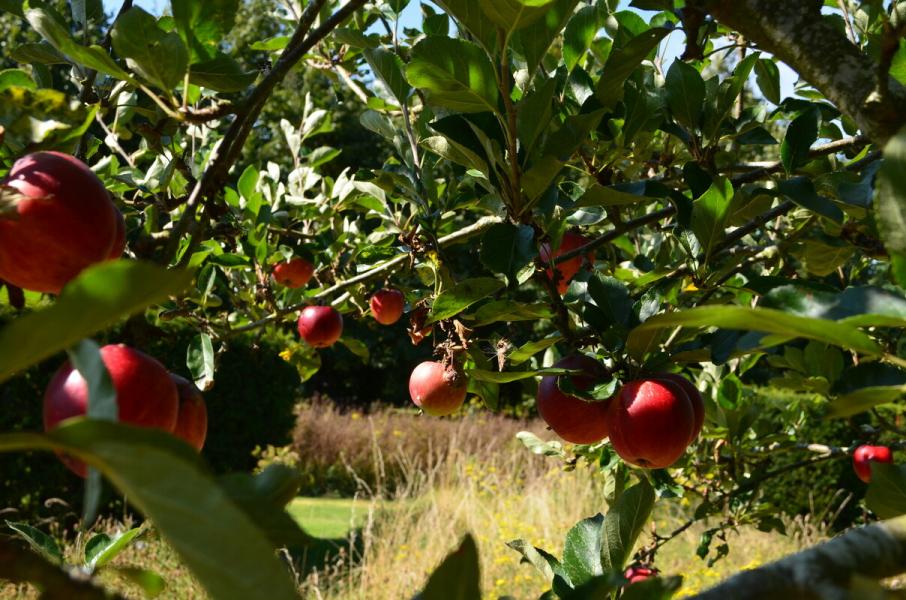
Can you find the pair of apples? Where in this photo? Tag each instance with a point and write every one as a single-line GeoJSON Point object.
{"type": "Point", "coordinates": [650, 422]}
{"type": "Point", "coordinates": [147, 395]}
{"type": "Point", "coordinates": [56, 219]}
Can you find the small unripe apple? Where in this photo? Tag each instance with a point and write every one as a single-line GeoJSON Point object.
{"type": "Point", "coordinates": [60, 222]}
{"type": "Point", "coordinates": [650, 423]}
{"type": "Point", "coordinates": [320, 326]}
{"type": "Point", "coordinates": [863, 457]}
{"type": "Point", "coordinates": [637, 573]}
{"type": "Point", "coordinates": [437, 390]}
{"type": "Point", "coordinates": [145, 394]}
{"type": "Point", "coordinates": [119, 239]}
{"type": "Point", "coordinates": [387, 306]}
{"type": "Point", "coordinates": [572, 418]}
{"type": "Point", "coordinates": [567, 269]}
{"type": "Point", "coordinates": [295, 273]}
{"type": "Point", "coordinates": [695, 397]}
{"type": "Point", "coordinates": [192, 421]}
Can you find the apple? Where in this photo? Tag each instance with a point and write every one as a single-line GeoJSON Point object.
{"type": "Point", "coordinates": [145, 394]}
{"type": "Point", "coordinates": [59, 221]}
{"type": "Point", "coordinates": [437, 390]}
{"type": "Point", "coordinates": [863, 457]}
{"type": "Point", "coordinates": [192, 421]}
{"type": "Point", "coordinates": [572, 418]}
{"type": "Point", "coordinates": [119, 240]}
{"type": "Point", "coordinates": [650, 423]}
{"type": "Point", "coordinates": [695, 397]}
{"type": "Point", "coordinates": [637, 573]}
{"type": "Point", "coordinates": [320, 326]}
{"type": "Point", "coordinates": [294, 273]}
{"type": "Point", "coordinates": [569, 268]}
{"type": "Point", "coordinates": [387, 306]}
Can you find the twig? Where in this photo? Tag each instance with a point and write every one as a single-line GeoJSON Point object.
{"type": "Point", "coordinates": [615, 233]}
{"type": "Point", "coordinates": [831, 148]}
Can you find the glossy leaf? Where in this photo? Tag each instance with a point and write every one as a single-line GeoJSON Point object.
{"type": "Point", "coordinates": [507, 248]}
{"type": "Point", "coordinates": [102, 548]}
{"type": "Point", "coordinates": [685, 93]}
{"type": "Point", "coordinates": [583, 550]}
{"type": "Point", "coordinates": [97, 298]}
{"type": "Point", "coordinates": [200, 360]}
{"type": "Point", "coordinates": [621, 62]}
{"type": "Point", "coordinates": [800, 136]}
{"type": "Point", "coordinates": [533, 41]}
{"type": "Point", "coordinates": [623, 524]}
{"type": "Point", "coordinates": [710, 214]}
{"type": "Point", "coordinates": [389, 67]}
{"type": "Point", "coordinates": [456, 74]}
{"type": "Point", "coordinates": [39, 541]}
{"type": "Point", "coordinates": [890, 196]}
{"type": "Point", "coordinates": [458, 576]}
{"type": "Point", "coordinates": [886, 496]}
{"type": "Point", "coordinates": [158, 57]}
{"type": "Point", "coordinates": [579, 33]}
{"type": "Point", "coordinates": [461, 296]}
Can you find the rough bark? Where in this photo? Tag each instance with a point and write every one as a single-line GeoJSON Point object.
{"type": "Point", "coordinates": [795, 32]}
{"type": "Point", "coordinates": [824, 571]}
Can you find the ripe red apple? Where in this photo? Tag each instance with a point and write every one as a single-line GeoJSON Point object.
{"type": "Point", "coordinates": [437, 390]}
{"type": "Point", "coordinates": [387, 306]}
{"type": "Point", "coordinates": [572, 418]}
{"type": "Point", "coordinates": [61, 221]}
{"type": "Point", "coordinates": [569, 268]}
{"type": "Point", "coordinates": [119, 240]}
{"type": "Point", "coordinates": [294, 273]}
{"type": "Point", "coordinates": [695, 397]}
{"type": "Point", "coordinates": [637, 573]}
{"type": "Point", "coordinates": [192, 421]}
{"type": "Point", "coordinates": [320, 326]}
{"type": "Point", "coordinates": [145, 394]}
{"type": "Point", "coordinates": [863, 457]}
{"type": "Point", "coordinates": [650, 423]}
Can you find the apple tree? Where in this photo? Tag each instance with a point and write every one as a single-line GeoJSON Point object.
{"type": "Point", "coordinates": [638, 239]}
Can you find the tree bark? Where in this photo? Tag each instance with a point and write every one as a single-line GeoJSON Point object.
{"type": "Point", "coordinates": [824, 571]}
{"type": "Point", "coordinates": [795, 32]}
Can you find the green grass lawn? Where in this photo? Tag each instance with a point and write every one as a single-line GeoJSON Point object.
{"type": "Point", "coordinates": [329, 517]}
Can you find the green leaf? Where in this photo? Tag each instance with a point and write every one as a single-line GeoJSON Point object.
{"type": "Point", "coordinates": [458, 577]}
{"type": "Point", "coordinates": [86, 358]}
{"type": "Point", "coordinates": [507, 248]}
{"type": "Point", "coordinates": [710, 214]}
{"type": "Point", "coordinates": [203, 24]}
{"type": "Point", "coordinates": [583, 549]}
{"type": "Point", "coordinates": [530, 349]}
{"type": "Point", "coordinates": [612, 195]}
{"type": "Point", "coordinates": [470, 16]}
{"type": "Point", "coordinates": [800, 136]}
{"type": "Point", "coordinates": [97, 298]}
{"type": "Point", "coordinates": [623, 524]}
{"type": "Point", "coordinates": [579, 33]}
{"type": "Point", "coordinates": [357, 347]}
{"type": "Point", "coordinates": [643, 338]}
{"type": "Point", "coordinates": [654, 588]}
{"type": "Point", "coordinates": [544, 562]}
{"type": "Point", "coordinates": [685, 90]}
{"type": "Point", "coordinates": [866, 385]}
{"type": "Point", "coordinates": [272, 45]}
{"type": "Point", "coordinates": [158, 57]}
{"type": "Point", "coordinates": [43, 117]}
{"type": "Point", "coordinates": [508, 376]}
{"type": "Point", "coordinates": [767, 75]}
{"type": "Point", "coordinates": [17, 78]}
{"type": "Point", "coordinates": [456, 74]}
{"type": "Point", "coordinates": [56, 32]}
{"type": "Point", "coordinates": [455, 152]}
{"type": "Point", "coordinates": [533, 41]}
{"type": "Point", "coordinates": [40, 53]}
{"type": "Point", "coordinates": [859, 306]}
{"type": "Point", "coordinates": [102, 548]}
{"type": "Point", "coordinates": [890, 195]}
{"type": "Point", "coordinates": [149, 582]}
{"type": "Point", "coordinates": [534, 113]}
{"type": "Point", "coordinates": [461, 296]}
{"type": "Point", "coordinates": [801, 190]}
{"type": "Point", "coordinates": [39, 541]}
{"type": "Point", "coordinates": [389, 67]}
{"type": "Point", "coordinates": [200, 360]}
{"type": "Point", "coordinates": [512, 15]}
{"type": "Point", "coordinates": [165, 480]}
{"type": "Point", "coordinates": [886, 495]}
{"type": "Point", "coordinates": [508, 311]}
{"type": "Point", "coordinates": [221, 73]}
{"type": "Point", "coordinates": [621, 62]}
{"type": "Point", "coordinates": [612, 297]}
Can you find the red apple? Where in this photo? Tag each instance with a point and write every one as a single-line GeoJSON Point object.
{"type": "Point", "coordinates": [566, 269]}
{"type": "Point", "coordinates": [572, 418]}
{"type": "Point", "coordinates": [294, 273]}
{"type": "Point", "coordinates": [695, 397]}
{"type": "Point", "coordinates": [320, 326]}
{"type": "Point", "coordinates": [637, 573]}
{"type": "Point", "coordinates": [387, 306]}
{"type": "Point", "coordinates": [437, 390]}
{"type": "Point", "coordinates": [650, 423]}
{"type": "Point", "coordinates": [192, 421]}
{"type": "Point", "coordinates": [145, 394]}
{"type": "Point", "coordinates": [863, 457]}
{"type": "Point", "coordinates": [61, 221]}
{"type": "Point", "coordinates": [119, 241]}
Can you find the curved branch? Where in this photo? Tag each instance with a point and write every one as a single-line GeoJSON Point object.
{"type": "Point", "coordinates": [824, 571]}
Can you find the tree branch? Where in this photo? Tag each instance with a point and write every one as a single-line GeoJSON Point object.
{"type": "Point", "coordinates": [824, 571]}
{"type": "Point", "coordinates": [795, 32]}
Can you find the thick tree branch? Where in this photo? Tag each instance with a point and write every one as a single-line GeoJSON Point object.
{"type": "Point", "coordinates": [824, 571]}
{"type": "Point", "coordinates": [795, 32]}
